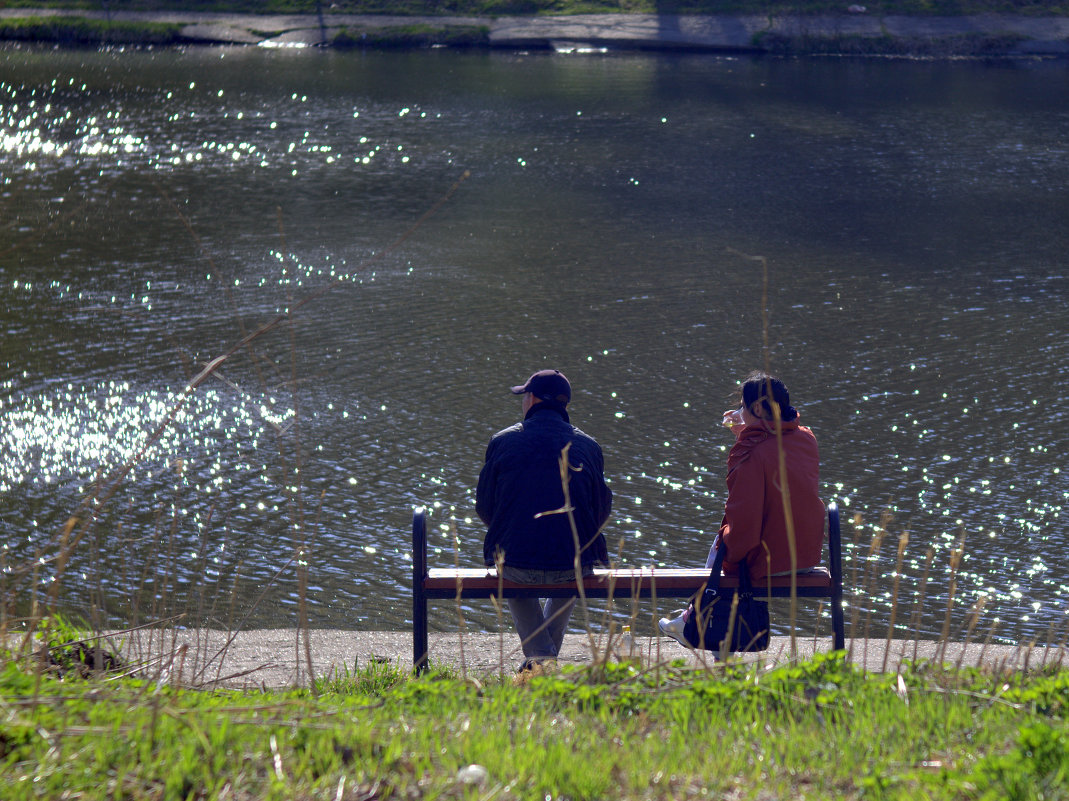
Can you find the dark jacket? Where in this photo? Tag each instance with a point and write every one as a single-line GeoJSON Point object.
{"type": "Point", "coordinates": [521, 479]}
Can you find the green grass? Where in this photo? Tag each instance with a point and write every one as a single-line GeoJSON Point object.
{"type": "Point", "coordinates": [412, 36]}
{"type": "Point", "coordinates": [821, 729]}
{"type": "Point", "coordinates": [83, 31]}
{"type": "Point", "coordinates": [972, 44]}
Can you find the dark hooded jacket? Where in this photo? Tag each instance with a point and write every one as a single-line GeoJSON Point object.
{"type": "Point", "coordinates": [521, 481]}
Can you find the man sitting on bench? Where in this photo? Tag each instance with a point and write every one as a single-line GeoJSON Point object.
{"type": "Point", "coordinates": [520, 498]}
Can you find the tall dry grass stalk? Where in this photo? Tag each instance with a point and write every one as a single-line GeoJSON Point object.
{"type": "Point", "coordinates": [955, 561]}
{"type": "Point", "coordinates": [918, 606]}
{"type": "Point", "coordinates": [903, 540]}
{"type": "Point", "coordinates": [785, 493]}
{"type": "Point", "coordinates": [498, 601]}
{"type": "Point", "coordinates": [868, 579]}
{"type": "Point", "coordinates": [974, 618]}
{"type": "Point", "coordinates": [566, 468]}
{"type": "Point", "coordinates": [462, 624]}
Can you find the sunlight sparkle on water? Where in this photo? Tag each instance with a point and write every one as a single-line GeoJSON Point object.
{"type": "Point", "coordinates": [26, 123]}
{"type": "Point", "coordinates": [89, 136]}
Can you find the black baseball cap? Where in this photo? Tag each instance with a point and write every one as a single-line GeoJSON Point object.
{"type": "Point", "coordinates": [548, 385]}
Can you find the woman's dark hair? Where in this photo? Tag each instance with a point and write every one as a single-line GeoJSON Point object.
{"type": "Point", "coordinates": [755, 389]}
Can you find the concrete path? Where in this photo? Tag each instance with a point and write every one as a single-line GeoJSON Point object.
{"type": "Point", "coordinates": [1028, 35]}
{"type": "Point", "coordinates": [276, 658]}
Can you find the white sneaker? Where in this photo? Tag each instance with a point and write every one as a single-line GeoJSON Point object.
{"type": "Point", "coordinates": [673, 627]}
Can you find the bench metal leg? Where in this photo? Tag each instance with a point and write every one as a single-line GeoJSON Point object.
{"type": "Point", "coordinates": [835, 557]}
{"type": "Point", "coordinates": [419, 599]}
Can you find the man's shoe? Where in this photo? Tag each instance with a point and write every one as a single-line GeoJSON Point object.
{"type": "Point", "coordinates": [673, 627]}
{"type": "Point", "coordinates": [537, 665]}
{"type": "Point", "coordinates": [531, 668]}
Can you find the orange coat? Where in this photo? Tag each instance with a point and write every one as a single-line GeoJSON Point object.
{"type": "Point", "coordinates": [755, 525]}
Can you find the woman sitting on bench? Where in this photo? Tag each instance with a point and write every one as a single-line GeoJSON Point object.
{"type": "Point", "coordinates": [754, 527]}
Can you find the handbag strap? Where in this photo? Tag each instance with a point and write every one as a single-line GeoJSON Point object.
{"type": "Point", "coordinates": [713, 583]}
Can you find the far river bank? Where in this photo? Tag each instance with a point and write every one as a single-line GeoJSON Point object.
{"type": "Point", "coordinates": [988, 35]}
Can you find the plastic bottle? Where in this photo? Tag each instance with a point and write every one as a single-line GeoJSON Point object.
{"type": "Point", "coordinates": [626, 649]}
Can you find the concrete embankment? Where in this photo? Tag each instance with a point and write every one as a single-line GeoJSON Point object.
{"type": "Point", "coordinates": [280, 658]}
{"type": "Point", "coordinates": [981, 35]}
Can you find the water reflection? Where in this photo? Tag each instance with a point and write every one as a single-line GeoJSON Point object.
{"type": "Point", "coordinates": [160, 206]}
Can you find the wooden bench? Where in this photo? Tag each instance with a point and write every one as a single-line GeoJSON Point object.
{"type": "Point", "coordinates": [453, 583]}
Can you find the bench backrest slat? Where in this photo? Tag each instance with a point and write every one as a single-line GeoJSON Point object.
{"type": "Point", "coordinates": [620, 582]}
{"type": "Point", "coordinates": [458, 582]}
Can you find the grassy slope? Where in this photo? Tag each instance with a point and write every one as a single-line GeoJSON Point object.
{"type": "Point", "coordinates": [83, 31]}
{"type": "Point", "coordinates": [493, 7]}
{"type": "Point", "coordinates": [817, 730]}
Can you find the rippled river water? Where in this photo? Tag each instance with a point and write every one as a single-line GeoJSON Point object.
{"type": "Point", "coordinates": [158, 206]}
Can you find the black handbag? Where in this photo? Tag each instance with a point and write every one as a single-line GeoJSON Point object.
{"type": "Point", "coordinates": [714, 613]}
